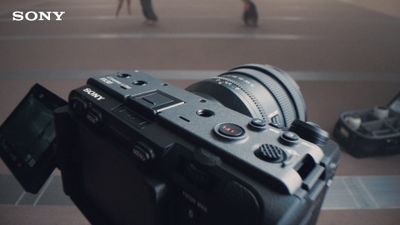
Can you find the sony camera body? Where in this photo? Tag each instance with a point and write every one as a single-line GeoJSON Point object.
{"type": "Point", "coordinates": [135, 150]}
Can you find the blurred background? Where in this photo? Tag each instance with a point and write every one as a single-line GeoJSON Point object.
{"type": "Point", "coordinates": [343, 53]}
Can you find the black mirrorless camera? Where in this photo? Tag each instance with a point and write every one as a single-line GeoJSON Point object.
{"type": "Point", "coordinates": [132, 149]}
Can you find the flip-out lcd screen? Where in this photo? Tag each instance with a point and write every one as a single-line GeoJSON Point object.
{"type": "Point", "coordinates": [27, 135]}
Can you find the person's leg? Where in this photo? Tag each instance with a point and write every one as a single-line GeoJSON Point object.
{"type": "Point", "coordinates": [148, 11]}
{"type": "Point", "coordinates": [120, 2]}
{"type": "Point", "coordinates": [254, 14]}
{"type": "Point", "coordinates": [152, 14]}
{"type": "Point", "coordinates": [129, 6]}
{"type": "Point", "coordinates": [245, 15]}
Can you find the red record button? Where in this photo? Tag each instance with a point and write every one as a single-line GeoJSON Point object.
{"type": "Point", "coordinates": [229, 130]}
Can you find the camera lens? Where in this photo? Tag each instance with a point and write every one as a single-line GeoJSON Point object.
{"type": "Point", "coordinates": [259, 91]}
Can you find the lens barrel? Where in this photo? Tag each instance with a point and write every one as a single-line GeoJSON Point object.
{"type": "Point", "coordinates": [259, 91]}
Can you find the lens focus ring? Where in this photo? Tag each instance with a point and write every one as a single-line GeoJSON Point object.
{"type": "Point", "coordinates": [257, 91]}
{"type": "Point", "coordinates": [237, 86]}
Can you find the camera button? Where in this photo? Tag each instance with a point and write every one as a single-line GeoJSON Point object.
{"type": "Point", "coordinates": [270, 153]}
{"type": "Point", "coordinates": [78, 105]}
{"type": "Point", "coordinates": [289, 138]}
{"type": "Point", "coordinates": [229, 131]}
{"type": "Point", "coordinates": [142, 152]}
{"type": "Point", "coordinates": [258, 124]}
{"type": "Point", "coordinates": [94, 116]}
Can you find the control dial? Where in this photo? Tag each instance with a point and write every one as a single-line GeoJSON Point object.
{"type": "Point", "coordinates": [311, 132]}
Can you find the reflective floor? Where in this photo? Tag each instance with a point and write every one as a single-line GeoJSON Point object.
{"type": "Point", "coordinates": [343, 53]}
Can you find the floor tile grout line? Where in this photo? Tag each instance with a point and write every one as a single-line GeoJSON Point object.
{"type": "Point", "coordinates": [346, 185]}
{"type": "Point", "coordinates": [197, 36]}
{"type": "Point", "coordinates": [367, 193]}
{"type": "Point", "coordinates": [46, 185]}
{"type": "Point", "coordinates": [20, 198]}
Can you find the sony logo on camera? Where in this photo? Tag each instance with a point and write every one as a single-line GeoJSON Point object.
{"type": "Point", "coordinates": [92, 93]}
{"type": "Point", "coordinates": [37, 16]}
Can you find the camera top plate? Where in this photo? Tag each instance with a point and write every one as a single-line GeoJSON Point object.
{"type": "Point", "coordinates": [220, 130]}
